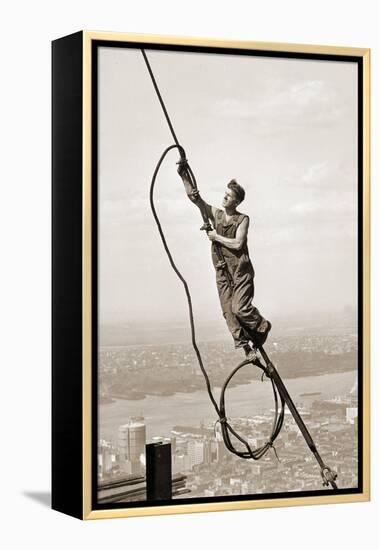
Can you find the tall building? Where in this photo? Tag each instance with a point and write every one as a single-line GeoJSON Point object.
{"type": "Point", "coordinates": [106, 458]}
{"type": "Point", "coordinates": [351, 414]}
{"type": "Point", "coordinates": [131, 442]}
{"type": "Point", "coordinates": [180, 463]}
{"type": "Point", "coordinates": [172, 440]}
{"type": "Point", "coordinates": [214, 450]}
{"type": "Point", "coordinates": [221, 450]}
{"type": "Point", "coordinates": [207, 451]}
{"type": "Point", "coordinates": [195, 450]}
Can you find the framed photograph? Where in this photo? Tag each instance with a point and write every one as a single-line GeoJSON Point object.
{"type": "Point", "coordinates": [210, 275]}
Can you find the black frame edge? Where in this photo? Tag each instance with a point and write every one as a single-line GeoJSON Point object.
{"type": "Point", "coordinates": [67, 131]}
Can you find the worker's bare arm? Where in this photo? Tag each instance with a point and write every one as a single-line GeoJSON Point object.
{"type": "Point", "coordinates": [195, 197]}
{"type": "Point", "coordinates": [238, 241]}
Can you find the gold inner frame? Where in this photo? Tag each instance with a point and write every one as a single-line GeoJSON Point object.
{"type": "Point", "coordinates": [88, 513]}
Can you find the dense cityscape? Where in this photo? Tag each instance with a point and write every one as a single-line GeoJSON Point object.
{"type": "Point", "coordinates": [198, 450]}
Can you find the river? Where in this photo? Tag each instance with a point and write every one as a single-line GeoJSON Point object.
{"type": "Point", "coordinates": [190, 409]}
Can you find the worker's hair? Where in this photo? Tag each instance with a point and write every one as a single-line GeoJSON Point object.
{"type": "Point", "coordinates": [237, 190]}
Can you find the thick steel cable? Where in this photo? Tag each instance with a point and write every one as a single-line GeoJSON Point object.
{"type": "Point", "coordinates": [160, 99]}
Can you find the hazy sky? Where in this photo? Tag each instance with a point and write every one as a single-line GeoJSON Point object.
{"type": "Point", "coordinates": [285, 129]}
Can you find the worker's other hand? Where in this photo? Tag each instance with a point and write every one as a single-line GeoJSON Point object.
{"type": "Point", "coordinates": [212, 235]}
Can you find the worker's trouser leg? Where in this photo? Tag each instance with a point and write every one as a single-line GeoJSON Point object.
{"type": "Point", "coordinates": [242, 318]}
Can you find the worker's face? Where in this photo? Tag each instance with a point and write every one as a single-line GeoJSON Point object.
{"type": "Point", "coordinates": [230, 199]}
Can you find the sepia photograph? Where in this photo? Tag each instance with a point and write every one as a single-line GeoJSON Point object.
{"type": "Point", "coordinates": [228, 360]}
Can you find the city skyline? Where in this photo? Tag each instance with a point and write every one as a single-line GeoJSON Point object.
{"type": "Point", "coordinates": [198, 453]}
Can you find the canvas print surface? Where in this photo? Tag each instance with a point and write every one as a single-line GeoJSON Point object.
{"type": "Point", "coordinates": [273, 145]}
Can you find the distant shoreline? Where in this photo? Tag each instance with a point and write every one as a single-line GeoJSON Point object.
{"type": "Point", "coordinates": [138, 396]}
{"type": "Point", "coordinates": [228, 342]}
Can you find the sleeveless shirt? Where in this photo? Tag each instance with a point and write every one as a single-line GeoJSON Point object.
{"type": "Point", "coordinates": [238, 261]}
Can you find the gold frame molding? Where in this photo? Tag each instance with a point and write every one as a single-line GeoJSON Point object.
{"type": "Point", "coordinates": [364, 53]}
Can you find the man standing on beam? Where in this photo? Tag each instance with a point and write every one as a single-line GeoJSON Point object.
{"type": "Point", "coordinates": [234, 270]}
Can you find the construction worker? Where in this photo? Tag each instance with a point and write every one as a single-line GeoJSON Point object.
{"type": "Point", "coordinates": [233, 265]}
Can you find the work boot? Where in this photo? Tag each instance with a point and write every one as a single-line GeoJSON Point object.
{"type": "Point", "coordinates": [261, 333]}
{"type": "Point", "coordinates": [251, 353]}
